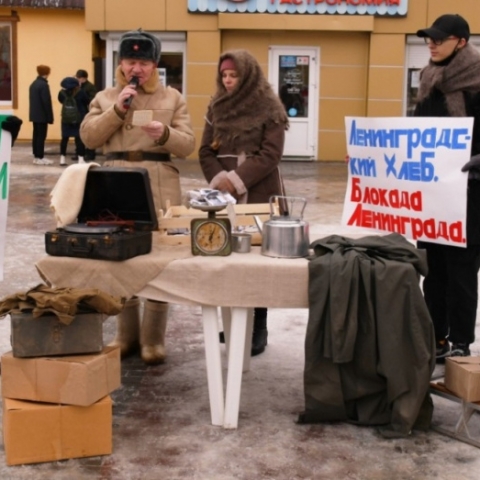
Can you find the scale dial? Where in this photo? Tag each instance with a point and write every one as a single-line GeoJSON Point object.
{"type": "Point", "coordinates": [211, 236]}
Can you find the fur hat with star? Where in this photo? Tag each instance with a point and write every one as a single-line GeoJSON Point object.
{"type": "Point", "coordinates": [140, 45]}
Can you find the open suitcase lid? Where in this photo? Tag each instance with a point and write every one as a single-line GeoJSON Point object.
{"type": "Point", "coordinates": [119, 193]}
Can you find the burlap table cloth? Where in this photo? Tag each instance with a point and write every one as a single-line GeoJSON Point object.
{"type": "Point", "coordinates": [172, 274]}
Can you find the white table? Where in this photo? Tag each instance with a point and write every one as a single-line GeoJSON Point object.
{"type": "Point", "coordinates": [236, 283]}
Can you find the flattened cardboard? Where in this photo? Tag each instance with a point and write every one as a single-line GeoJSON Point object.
{"type": "Point", "coordinates": [462, 377]}
{"type": "Point", "coordinates": [71, 380]}
{"type": "Point", "coordinates": [44, 432]}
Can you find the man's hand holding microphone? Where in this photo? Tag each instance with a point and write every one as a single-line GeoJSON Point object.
{"type": "Point", "coordinates": [126, 95]}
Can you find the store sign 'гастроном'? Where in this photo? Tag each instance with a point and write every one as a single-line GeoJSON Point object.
{"type": "Point", "coordinates": [327, 7]}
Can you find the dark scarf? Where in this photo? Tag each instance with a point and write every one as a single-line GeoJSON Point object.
{"type": "Point", "coordinates": [452, 78]}
{"type": "Point", "coordinates": [239, 117]}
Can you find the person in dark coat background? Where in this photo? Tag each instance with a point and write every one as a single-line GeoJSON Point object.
{"type": "Point", "coordinates": [41, 114]}
{"type": "Point", "coordinates": [90, 91]}
{"type": "Point", "coordinates": [450, 87]}
{"type": "Point", "coordinates": [71, 87]}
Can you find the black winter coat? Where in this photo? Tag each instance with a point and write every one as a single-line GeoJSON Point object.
{"type": "Point", "coordinates": [41, 110]}
{"type": "Point", "coordinates": [89, 89]}
{"type": "Point", "coordinates": [435, 106]}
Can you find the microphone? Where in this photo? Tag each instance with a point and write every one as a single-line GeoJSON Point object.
{"type": "Point", "coordinates": [128, 101]}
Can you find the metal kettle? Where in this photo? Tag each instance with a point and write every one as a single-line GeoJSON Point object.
{"type": "Point", "coordinates": [284, 236]}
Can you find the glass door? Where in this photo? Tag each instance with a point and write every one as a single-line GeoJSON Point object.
{"type": "Point", "coordinates": [294, 76]}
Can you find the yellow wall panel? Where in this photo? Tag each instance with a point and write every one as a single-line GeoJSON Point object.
{"type": "Point", "coordinates": [256, 43]}
{"type": "Point", "coordinates": [332, 146]}
{"type": "Point", "coordinates": [196, 51]}
{"type": "Point", "coordinates": [178, 19]}
{"type": "Point", "coordinates": [343, 81]}
{"type": "Point", "coordinates": [201, 79]}
{"type": "Point", "coordinates": [386, 82]}
{"type": "Point", "coordinates": [415, 19]}
{"type": "Point", "coordinates": [130, 15]}
{"type": "Point", "coordinates": [201, 75]}
{"type": "Point", "coordinates": [469, 9]}
{"type": "Point", "coordinates": [335, 48]}
{"type": "Point", "coordinates": [197, 107]}
{"type": "Point", "coordinates": [343, 48]}
{"type": "Point", "coordinates": [381, 108]}
{"type": "Point", "coordinates": [387, 50]}
{"type": "Point", "coordinates": [36, 44]}
{"type": "Point", "coordinates": [95, 15]}
{"type": "Point", "coordinates": [259, 21]}
{"type": "Point", "coordinates": [333, 112]}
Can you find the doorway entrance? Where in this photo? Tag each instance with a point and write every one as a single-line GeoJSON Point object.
{"type": "Point", "coordinates": [293, 73]}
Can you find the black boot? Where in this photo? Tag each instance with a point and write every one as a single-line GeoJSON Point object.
{"type": "Point", "coordinates": [259, 341]}
{"type": "Point", "coordinates": [260, 332]}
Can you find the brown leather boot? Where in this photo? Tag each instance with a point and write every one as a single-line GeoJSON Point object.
{"type": "Point", "coordinates": [128, 328]}
{"type": "Point", "coordinates": [152, 332]}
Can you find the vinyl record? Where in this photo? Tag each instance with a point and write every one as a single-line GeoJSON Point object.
{"type": "Point", "coordinates": [84, 228]}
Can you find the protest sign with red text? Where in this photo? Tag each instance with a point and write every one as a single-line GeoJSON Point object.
{"type": "Point", "coordinates": [404, 176]}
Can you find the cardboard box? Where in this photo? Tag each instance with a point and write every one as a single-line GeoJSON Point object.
{"type": "Point", "coordinates": [462, 377]}
{"type": "Point", "coordinates": [46, 335]}
{"type": "Point", "coordinates": [44, 432]}
{"type": "Point", "coordinates": [72, 380]}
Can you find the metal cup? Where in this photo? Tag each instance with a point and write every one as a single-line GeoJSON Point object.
{"type": "Point", "coordinates": [241, 242]}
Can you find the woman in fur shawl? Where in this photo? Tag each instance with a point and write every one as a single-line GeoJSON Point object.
{"type": "Point", "coordinates": [242, 143]}
{"type": "Point", "coordinates": [450, 87]}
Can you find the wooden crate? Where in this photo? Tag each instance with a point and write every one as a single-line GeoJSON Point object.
{"type": "Point", "coordinates": [179, 217]}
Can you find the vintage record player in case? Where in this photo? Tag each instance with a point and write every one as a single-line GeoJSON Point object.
{"type": "Point", "coordinates": [115, 221]}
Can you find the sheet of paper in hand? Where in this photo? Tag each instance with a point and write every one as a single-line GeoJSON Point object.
{"type": "Point", "coordinates": [142, 117]}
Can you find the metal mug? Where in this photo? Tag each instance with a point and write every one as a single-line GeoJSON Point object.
{"type": "Point", "coordinates": [241, 242]}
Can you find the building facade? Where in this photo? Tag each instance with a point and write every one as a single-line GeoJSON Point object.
{"type": "Point", "coordinates": [34, 32]}
{"type": "Point", "coordinates": [327, 59]}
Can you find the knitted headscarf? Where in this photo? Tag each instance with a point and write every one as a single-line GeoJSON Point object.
{"type": "Point", "coordinates": [239, 116]}
{"type": "Point", "coordinates": [460, 74]}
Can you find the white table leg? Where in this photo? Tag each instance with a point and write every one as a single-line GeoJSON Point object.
{"type": "Point", "coordinates": [227, 326]}
{"type": "Point", "coordinates": [248, 341]}
{"type": "Point", "coordinates": [235, 366]}
{"type": "Point", "coordinates": [214, 364]}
